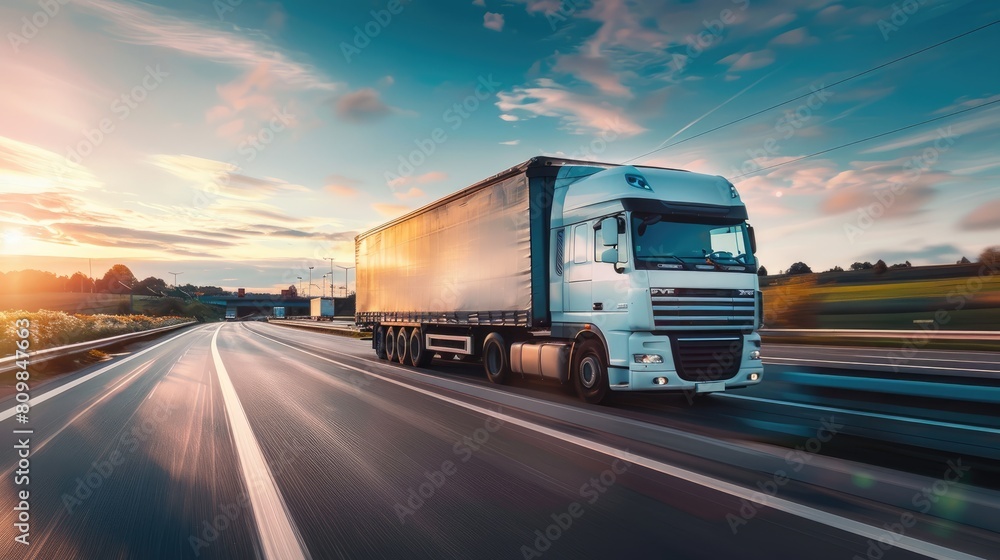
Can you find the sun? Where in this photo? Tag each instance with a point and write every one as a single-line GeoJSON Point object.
{"type": "Point", "coordinates": [13, 238]}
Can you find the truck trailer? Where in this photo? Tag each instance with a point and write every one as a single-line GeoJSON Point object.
{"type": "Point", "coordinates": [609, 277]}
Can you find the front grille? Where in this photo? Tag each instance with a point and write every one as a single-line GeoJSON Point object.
{"type": "Point", "coordinates": [707, 358]}
{"type": "Point", "coordinates": [677, 308]}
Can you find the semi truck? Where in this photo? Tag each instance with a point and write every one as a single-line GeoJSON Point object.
{"type": "Point", "coordinates": [608, 277]}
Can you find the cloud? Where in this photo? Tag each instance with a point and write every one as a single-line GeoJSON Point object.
{"type": "Point", "coordinates": [363, 105]}
{"type": "Point", "coordinates": [509, 118]}
{"type": "Point", "coordinates": [386, 81]}
{"type": "Point", "coordinates": [414, 192]}
{"type": "Point", "coordinates": [479, 2]}
{"type": "Point", "coordinates": [27, 168]}
{"type": "Point", "coordinates": [595, 70]}
{"type": "Point", "coordinates": [250, 102]}
{"type": "Point", "coordinates": [510, 143]}
{"type": "Point", "coordinates": [797, 36]}
{"type": "Point", "coordinates": [579, 114]}
{"type": "Point", "coordinates": [222, 179]}
{"type": "Point", "coordinates": [493, 21]}
{"type": "Point", "coordinates": [153, 26]}
{"type": "Point", "coordinates": [390, 210]}
{"type": "Point", "coordinates": [985, 217]}
{"type": "Point", "coordinates": [749, 61]}
{"type": "Point", "coordinates": [341, 185]}
{"type": "Point", "coordinates": [429, 177]}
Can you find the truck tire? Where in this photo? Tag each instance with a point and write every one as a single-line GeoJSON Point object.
{"type": "Point", "coordinates": [419, 356]}
{"type": "Point", "coordinates": [496, 359]}
{"type": "Point", "coordinates": [401, 352]}
{"type": "Point", "coordinates": [590, 372]}
{"type": "Point", "coordinates": [390, 344]}
{"type": "Point", "coordinates": [380, 343]}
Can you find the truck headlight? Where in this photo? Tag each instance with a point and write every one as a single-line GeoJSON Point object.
{"type": "Point", "coordinates": [647, 358]}
{"type": "Point", "coordinates": [755, 354]}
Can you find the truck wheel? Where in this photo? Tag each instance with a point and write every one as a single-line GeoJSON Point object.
{"type": "Point", "coordinates": [419, 356]}
{"type": "Point", "coordinates": [380, 343]}
{"type": "Point", "coordinates": [401, 352]}
{"type": "Point", "coordinates": [496, 362]}
{"type": "Point", "coordinates": [590, 373]}
{"type": "Point", "coordinates": [390, 344]}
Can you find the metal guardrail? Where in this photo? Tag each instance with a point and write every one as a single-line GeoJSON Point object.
{"type": "Point", "coordinates": [873, 333]}
{"type": "Point", "coordinates": [8, 364]}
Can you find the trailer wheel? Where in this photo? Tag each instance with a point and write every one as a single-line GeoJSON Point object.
{"type": "Point", "coordinates": [380, 343]}
{"type": "Point", "coordinates": [401, 352]}
{"type": "Point", "coordinates": [390, 344]}
{"type": "Point", "coordinates": [496, 361]}
{"type": "Point", "coordinates": [590, 373]}
{"type": "Point", "coordinates": [419, 356]}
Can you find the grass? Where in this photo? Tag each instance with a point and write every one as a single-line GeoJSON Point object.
{"type": "Point", "coordinates": [50, 329]}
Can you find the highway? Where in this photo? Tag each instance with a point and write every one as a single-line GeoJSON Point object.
{"type": "Point", "coordinates": [244, 440]}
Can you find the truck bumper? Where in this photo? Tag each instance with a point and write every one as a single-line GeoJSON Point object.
{"type": "Point", "coordinates": [665, 376]}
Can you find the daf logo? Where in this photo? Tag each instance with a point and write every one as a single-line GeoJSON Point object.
{"type": "Point", "coordinates": [746, 292]}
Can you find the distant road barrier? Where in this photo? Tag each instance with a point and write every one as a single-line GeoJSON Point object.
{"type": "Point", "coordinates": [8, 364]}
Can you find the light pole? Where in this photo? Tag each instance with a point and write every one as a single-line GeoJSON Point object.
{"type": "Point", "coordinates": [131, 301]}
{"type": "Point", "coordinates": [310, 287]}
{"type": "Point", "coordinates": [300, 286]}
{"type": "Point", "coordinates": [176, 274]}
{"type": "Point", "coordinates": [346, 268]}
{"type": "Point", "coordinates": [322, 292]}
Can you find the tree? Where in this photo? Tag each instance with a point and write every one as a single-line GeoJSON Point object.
{"type": "Point", "coordinates": [151, 285]}
{"type": "Point", "coordinates": [114, 278]}
{"type": "Point", "coordinates": [80, 283]}
{"type": "Point", "coordinates": [799, 268]}
{"type": "Point", "coordinates": [990, 256]}
{"type": "Point", "coordinates": [835, 269]}
{"type": "Point", "coordinates": [762, 272]}
{"type": "Point", "coordinates": [965, 260]}
{"type": "Point", "coordinates": [880, 267]}
{"type": "Point", "coordinates": [293, 291]}
{"type": "Point", "coordinates": [862, 266]}
{"type": "Point", "coordinates": [902, 265]}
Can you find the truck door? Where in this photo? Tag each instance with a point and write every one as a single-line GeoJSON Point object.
{"type": "Point", "coordinates": [580, 270]}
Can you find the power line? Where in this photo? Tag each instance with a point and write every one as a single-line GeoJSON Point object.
{"type": "Point", "coordinates": [786, 102]}
{"type": "Point", "coordinates": [980, 106]}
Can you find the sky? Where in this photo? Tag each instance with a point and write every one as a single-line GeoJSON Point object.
{"type": "Point", "coordinates": [242, 141]}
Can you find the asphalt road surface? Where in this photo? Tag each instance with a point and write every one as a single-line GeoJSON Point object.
{"type": "Point", "coordinates": [250, 440]}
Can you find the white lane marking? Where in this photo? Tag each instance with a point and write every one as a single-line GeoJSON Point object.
{"type": "Point", "coordinates": [880, 365]}
{"type": "Point", "coordinates": [921, 421]}
{"type": "Point", "coordinates": [277, 531]}
{"type": "Point", "coordinates": [35, 401]}
{"type": "Point", "coordinates": [805, 512]}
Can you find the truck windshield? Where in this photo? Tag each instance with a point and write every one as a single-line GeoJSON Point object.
{"type": "Point", "coordinates": [681, 242]}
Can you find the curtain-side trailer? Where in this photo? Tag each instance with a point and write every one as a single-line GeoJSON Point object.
{"type": "Point", "coordinates": [609, 277]}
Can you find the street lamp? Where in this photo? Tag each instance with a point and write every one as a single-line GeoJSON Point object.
{"type": "Point", "coordinates": [300, 285]}
{"type": "Point", "coordinates": [176, 274]}
{"type": "Point", "coordinates": [322, 292]}
{"type": "Point", "coordinates": [131, 301]}
{"type": "Point", "coordinates": [310, 287]}
{"type": "Point", "coordinates": [346, 268]}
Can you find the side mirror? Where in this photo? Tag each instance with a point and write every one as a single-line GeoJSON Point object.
{"type": "Point", "coordinates": [609, 232]}
{"type": "Point", "coordinates": [753, 240]}
{"type": "Point", "coordinates": [610, 256]}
